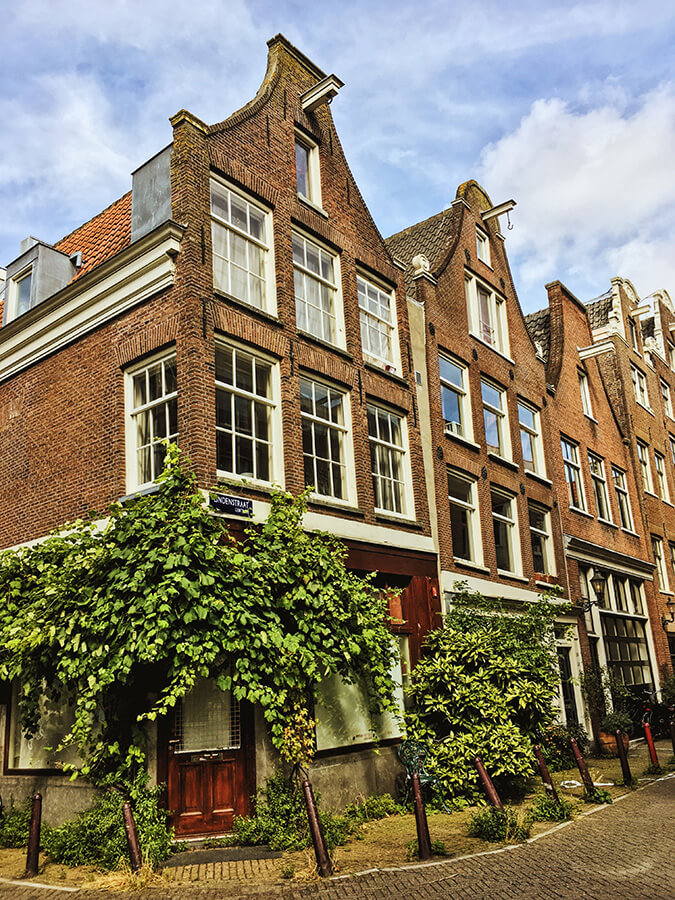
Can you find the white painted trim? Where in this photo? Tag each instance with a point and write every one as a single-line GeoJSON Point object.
{"type": "Point", "coordinates": [606, 346]}
{"type": "Point", "coordinates": [488, 588]}
{"type": "Point", "coordinates": [129, 278]}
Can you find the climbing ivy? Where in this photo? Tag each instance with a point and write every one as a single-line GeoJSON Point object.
{"type": "Point", "coordinates": [119, 620]}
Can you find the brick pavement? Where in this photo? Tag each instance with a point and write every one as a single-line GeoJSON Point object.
{"type": "Point", "coordinates": [626, 850]}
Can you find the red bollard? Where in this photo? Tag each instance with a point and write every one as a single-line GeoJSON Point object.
{"type": "Point", "coordinates": [323, 862]}
{"type": "Point", "coordinates": [545, 774]}
{"type": "Point", "coordinates": [423, 839]}
{"type": "Point", "coordinates": [488, 786]}
{"type": "Point", "coordinates": [583, 771]}
{"type": "Point", "coordinates": [650, 744]}
{"type": "Point", "coordinates": [132, 838]}
{"type": "Point", "coordinates": [33, 854]}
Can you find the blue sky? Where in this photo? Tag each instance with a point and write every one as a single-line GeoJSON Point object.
{"type": "Point", "coordinates": [569, 109]}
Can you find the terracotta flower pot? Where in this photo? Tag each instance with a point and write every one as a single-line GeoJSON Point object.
{"type": "Point", "coordinates": [607, 742]}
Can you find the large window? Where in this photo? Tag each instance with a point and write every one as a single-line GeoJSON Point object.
{"type": "Point", "coordinates": [639, 386]}
{"type": "Point", "coordinates": [504, 526]}
{"type": "Point", "coordinates": [455, 396]}
{"type": "Point", "coordinates": [530, 439]}
{"type": "Point", "coordinates": [643, 459]}
{"type": "Point", "coordinates": [662, 575]}
{"type": "Point", "coordinates": [575, 487]}
{"type": "Point", "coordinates": [626, 649]}
{"type": "Point", "coordinates": [153, 410]}
{"type": "Point", "coordinates": [585, 393]}
{"type": "Point", "coordinates": [377, 314]}
{"type": "Point", "coordinates": [464, 520]}
{"type": "Point", "coordinates": [487, 315]}
{"type": "Point", "coordinates": [660, 464]}
{"type": "Point", "coordinates": [244, 409]}
{"type": "Point", "coordinates": [540, 536]}
{"type": "Point", "coordinates": [315, 290]}
{"type": "Point", "coordinates": [597, 466]}
{"type": "Point", "coordinates": [622, 498]}
{"type": "Point", "coordinates": [387, 457]}
{"type": "Point", "coordinates": [495, 419]}
{"type": "Point", "coordinates": [324, 435]}
{"type": "Point", "coordinates": [241, 232]}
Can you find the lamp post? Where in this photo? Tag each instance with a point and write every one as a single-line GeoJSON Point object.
{"type": "Point", "coordinates": [666, 620]}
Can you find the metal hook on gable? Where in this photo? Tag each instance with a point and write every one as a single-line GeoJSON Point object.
{"type": "Point", "coordinates": [509, 223]}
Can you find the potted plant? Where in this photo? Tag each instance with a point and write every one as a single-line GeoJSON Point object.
{"type": "Point", "coordinates": [610, 724]}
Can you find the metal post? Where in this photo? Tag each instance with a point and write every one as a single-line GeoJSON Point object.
{"type": "Point", "coordinates": [585, 777]}
{"type": "Point", "coordinates": [545, 774]}
{"type": "Point", "coordinates": [423, 839]}
{"type": "Point", "coordinates": [650, 744]}
{"type": "Point", "coordinates": [625, 768]}
{"type": "Point", "coordinates": [132, 838]}
{"type": "Point", "coordinates": [488, 786]}
{"type": "Point", "coordinates": [320, 851]}
{"type": "Point", "coordinates": [33, 854]}
{"type": "Point", "coordinates": [672, 733]}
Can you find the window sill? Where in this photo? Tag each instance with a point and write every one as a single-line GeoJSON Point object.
{"type": "Point", "coordinates": [248, 307]}
{"type": "Point", "coordinates": [667, 593]}
{"type": "Point", "coordinates": [468, 564]}
{"type": "Point", "coordinates": [325, 344]}
{"type": "Point", "coordinates": [313, 206]}
{"type": "Point", "coordinates": [380, 370]}
{"type": "Point", "coordinates": [651, 494]}
{"type": "Point", "coordinates": [667, 502]}
{"type": "Point", "coordinates": [646, 408]}
{"type": "Point", "coordinates": [608, 523]}
{"type": "Point", "coordinates": [503, 573]}
{"type": "Point", "coordinates": [462, 440]}
{"type": "Point", "coordinates": [391, 518]}
{"type": "Point", "coordinates": [485, 263]}
{"type": "Point", "coordinates": [547, 584]}
{"type": "Point", "coordinates": [502, 459]}
{"type": "Point", "coordinates": [591, 418]}
{"type": "Point", "coordinates": [139, 492]}
{"type": "Point", "coordinates": [337, 505]}
{"type": "Point", "coordinates": [581, 512]}
{"type": "Point", "coordinates": [237, 482]}
{"type": "Point", "coordinates": [491, 347]}
{"type": "Point", "coordinates": [631, 532]}
{"type": "Point", "coordinates": [538, 477]}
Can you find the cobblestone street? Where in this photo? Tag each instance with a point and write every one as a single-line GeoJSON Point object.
{"type": "Point", "coordinates": [626, 850]}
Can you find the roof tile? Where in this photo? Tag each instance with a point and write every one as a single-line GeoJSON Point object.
{"type": "Point", "coordinates": [101, 237]}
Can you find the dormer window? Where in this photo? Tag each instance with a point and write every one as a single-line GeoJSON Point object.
{"type": "Point", "coordinates": [482, 246]}
{"type": "Point", "coordinates": [21, 288]}
{"type": "Point", "coordinates": [307, 174]}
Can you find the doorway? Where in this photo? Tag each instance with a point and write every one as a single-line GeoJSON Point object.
{"type": "Point", "coordinates": [567, 687]}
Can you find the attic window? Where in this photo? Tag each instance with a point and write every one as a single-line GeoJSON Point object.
{"type": "Point", "coordinates": [21, 292]}
{"type": "Point", "coordinates": [482, 246]}
{"type": "Point", "coordinates": [307, 174]}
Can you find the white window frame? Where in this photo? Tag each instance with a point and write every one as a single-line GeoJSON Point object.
{"type": "Point", "coordinates": [473, 517]}
{"type": "Point", "coordinates": [585, 393]}
{"type": "Point", "coordinates": [494, 332]}
{"type": "Point", "coordinates": [667, 400]}
{"type": "Point", "coordinates": [269, 304]}
{"type": "Point", "coordinates": [571, 464]}
{"type": "Point", "coordinates": [533, 436]}
{"type": "Point", "coordinates": [483, 246]}
{"type": "Point", "coordinates": [369, 319]}
{"type": "Point", "coordinates": [661, 477]}
{"type": "Point", "coordinates": [12, 293]}
{"type": "Point", "coordinates": [640, 386]}
{"type": "Point", "coordinates": [671, 441]}
{"type": "Point", "coordinates": [661, 573]}
{"type": "Point", "coordinates": [633, 334]}
{"type": "Point", "coordinates": [645, 468]}
{"type": "Point", "coordinates": [133, 482]}
{"type": "Point", "coordinates": [622, 498]}
{"type": "Point", "coordinates": [407, 501]}
{"type": "Point", "coordinates": [311, 148]}
{"type": "Point", "coordinates": [463, 428]}
{"type": "Point", "coordinates": [501, 415]}
{"type": "Point", "coordinates": [545, 535]}
{"type": "Point", "coordinates": [335, 286]}
{"type": "Point", "coordinates": [596, 466]}
{"type": "Point", "coordinates": [273, 403]}
{"type": "Point", "coordinates": [511, 523]}
{"type": "Point", "coordinates": [344, 429]}
{"type": "Point", "coordinates": [671, 354]}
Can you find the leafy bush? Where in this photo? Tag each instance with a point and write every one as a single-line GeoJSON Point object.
{"type": "Point", "coordinates": [97, 837]}
{"type": "Point", "coordinates": [412, 850]}
{"type": "Point", "coordinates": [598, 795]}
{"type": "Point", "coordinates": [556, 748]}
{"type": "Point", "coordinates": [545, 809]}
{"type": "Point", "coordinates": [506, 825]}
{"type": "Point", "coordinates": [617, 721]}
{"type": "Point", "coordinates": [375, 807]}
{"type": "Point", "coordinates": [14, 825]}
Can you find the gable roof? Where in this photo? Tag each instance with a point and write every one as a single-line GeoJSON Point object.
{"type": "Point", "coordinates": [599, 310]}
{"type": "Point", "coordinates": [429, 237]}
{"type": "Point", "coordinates": [101, 237]}
{"type": "Point", "coordinates": [539, 325]}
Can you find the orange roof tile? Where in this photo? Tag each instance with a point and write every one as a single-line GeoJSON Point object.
{"type": "Point", "coordinates": [101, 237]}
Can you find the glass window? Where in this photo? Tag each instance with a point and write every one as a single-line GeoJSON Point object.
{"type": "Point", "coordinates": [387, 458]}
{"type": "Point", "coordinates": [636, 596]}
{"type": "Point", "coordinates": [643, 459]}
{"type": "Point", "coordinates": [22, 287]}
{"type": "Point", "coordinates": [620, 593]}
{"type": "Point", "coordinates": [487, 314]}
{"type": "Point", "coordinates": [455, 396]}
{"type": "Point", "coordinates": [540, 536]}
{"type": "Point", "coordinates": [315, 289]}
{"type": "Point", "coordinates": [482, 246]}
{"type": "Point", "coordinates": [660, 463]}
{"type": "Point", "coordinates": [667, 401]}
{"type": "Point", "coordinates": [671, 355]}
{"type": "Point", "coordinates": [575, 487]}
{"type": "Point", "coordinates": [504, 525]}
{"type": "Point", "coordinates": [244, 409]}
{"type": "Point", "coordinates": [530, 438]}
{"type": "Point", "coordinates": [597, 467]}
{"type": "Point", "coordinates": [639, 386]}
{"type": "Point", "coordinates": [671, 441]}
{"type": "Point", "coordinates": [494, 418]}
{"type": "Point", "coordinates": [464, 521]}
{"type": "Point", "coordinates": [324, 433]}
{"type": "Point", "coordinates": [632, 334]}
{"type": "Point", "coordinates": [657, 550]}
{"type": "Point", "coordinates": [307, 176]}
{"type": "Point", "coordinates": [154, 417]}
{"type": "Point", "coordinates": [622, 498]}
{"type": "Point", "coordinates": [378, 321]}
{"type": "Point", "coordinates": [585, 393]}
{"type": "Point", "coordinates": [240, 246]}
{"type": "Point", "coordinates": [626, 649]}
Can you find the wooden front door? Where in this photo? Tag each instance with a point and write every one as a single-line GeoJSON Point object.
{"type": "Point", "coordinates": [208, 764]}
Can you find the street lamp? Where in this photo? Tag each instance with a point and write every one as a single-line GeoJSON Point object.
{"type": "Point", "coordinates": [598, 582]}
{"type": "Point", "coordinates": [665, 621]}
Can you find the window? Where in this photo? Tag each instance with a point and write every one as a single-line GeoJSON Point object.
{"type": "Point", "coordinates": [661, 479]}
{"type": "Point", "coordinates": [487, 315]}
{"type": "Point", "coordinates": [377, 313]}
{"type": "Point", "coordinates": [626, 650]}
{"type": "Point", "coordinates": [482, 246]}
{"type": "Point", "coordinates": [324, 434]}
{"type": "Point", "coordinates": [667, 402]}
{"type": "Point", "coordinates": [643, 459]}
{"type": "Point", "coordinates": [315, 290]}
{"type": "Point", "coordinates": [504, 524]}
{"type": "Point", "coordinates": [20, 293]}
{"type": "Point", "coordinates": [636, 595]}
{"type": "Point", "coordinates": [585, 393]}
{"type": "Point", "coordinates": [38, 751]}
{"type": "Point", "coordinates": [241, 232]}
{"type": "Point", "coordinates": [575, 486]}
{"type": "Point", "coordinates": [387, 458]}
{"type": "Point", "coordinates": [455, 396]}
{"type": "Point", "coordinates": [671, 355]}
{"type": "Point", "coordinates": [597, 467]}
{"type": "Point", "coordinates": [657, 550]}
{"type": "Point", "coordinates": [464, 520]}
{"type": "Point", "coordinates": [244, 414]}
{"type": "Point", "coordinates": [639, 386]}
{"type": "Point", "coordinates": [540, 536]}
{"type": "Point", "coordinates": [622, 498]}
{"type": "Point", "coordinates": [307, 174]}
{"type": "Point", "coordinates": [495, 420]}
{"type": "Point", "coordinates": [632, 333]}
{"type": "Point", "coordinates": [530, 439]}
{"type": "Point", "coordinates": [671, 440]}
{"type": "Point", "coordinates": [153, 410]}
{"type": "Point", "coordinates": [620, 593]}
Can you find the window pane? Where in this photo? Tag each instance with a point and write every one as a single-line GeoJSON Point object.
{"type": "Point", "coordinates": [244, 456]}
{"type": "Point", "coordinates": [461, 535]}
{"type": "Point", "coordinates": [302, 169]}
{"type": "Point", "coordinates": [245, 372]}
{"type": "Point", "coordinates": [451, 405]}
{"type": "Point", "coordinates": [170, 376]}
{"type": "Point", "coordinates": [459, 488]}
{"type": "Point", "coordinates": [155, 381]}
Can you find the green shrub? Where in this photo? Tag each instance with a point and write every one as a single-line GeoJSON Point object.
{"type": "Point", "coordinates": [545, 809]}
{"type": "Point", "coordinates": [379, 806]}
{"type": "Point", "coordinates": [498, 826]}
{"type": "Point", "coordinates": [556, 748]}
{"type": "Point", "coordinates": [97, 837]}
{"type": "Point", "coordinates": [412, 849]}
{"type": "Point", "coordinates": [617, 721]}
{"type": "Point", "coordinates": [14, 825]}
{"type": "Point", "coordinates": [598, 795]}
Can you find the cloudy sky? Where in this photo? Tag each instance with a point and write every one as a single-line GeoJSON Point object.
{"type": "Point", "coordinates": [569, 109]}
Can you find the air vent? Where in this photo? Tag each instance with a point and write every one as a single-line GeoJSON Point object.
{"type": "Point", "coordinates": [418, 377]}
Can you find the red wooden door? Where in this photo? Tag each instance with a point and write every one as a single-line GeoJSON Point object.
{"type": "Point", "coordinates": [208, 764]}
